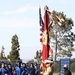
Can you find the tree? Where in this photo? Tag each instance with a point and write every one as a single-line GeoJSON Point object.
{"type": "Point", "coordinates": [14, 53]}
{"type": "Point", "coordinates": [38, 55]}
{"type": "Point", "coordinates": [2, 54]}
{"type": "Point", "coordinates": [62, 35]}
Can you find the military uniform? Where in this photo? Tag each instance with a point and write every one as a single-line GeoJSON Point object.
{"type": "Point", "coordinates": [49, 70]}
{"type": "Point", "coordinates": [66, 70]}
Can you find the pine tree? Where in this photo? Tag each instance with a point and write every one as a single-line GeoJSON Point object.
{"type": "Point", "coordinates": [2, 55]}
{"type": "Point", "coordinates": [38, 56]}
{"type": "Point", "coordinates": [14, 53]}
{"type": "Point", "coordinates": [2, 52]}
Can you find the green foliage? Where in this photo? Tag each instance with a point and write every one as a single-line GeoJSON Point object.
{"type": "Point", "coordinates": [38, 56]}
{"type": "Point", "coordinates": [73, 73]}
{"type": "Point", "coordinates": [72, 66]}
{"type": "Point", "coordinates": [30, 61]}
{"type": "Point", "coordinates": [14, 53]}
{"type": "Point", "coordinates": [56, 67]}
{"type": "Point", "coordinates": [2, 55]}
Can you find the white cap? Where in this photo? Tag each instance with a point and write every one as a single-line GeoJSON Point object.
{"type": "Point", "coordinates": [48, 61]}
{"type": "Point", "coordinates": [65, 66]}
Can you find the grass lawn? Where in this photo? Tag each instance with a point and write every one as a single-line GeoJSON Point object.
{"type": "Point", "coordinates": [58, 73]}
{"type": "Point", "coordinates": [55, 73]}
{"type": "Point", "coordinates": [73, 73]}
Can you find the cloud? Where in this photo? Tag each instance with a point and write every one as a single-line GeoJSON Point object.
{"type": "Point", "coordinates": [18, 22]}
{"type": "Point", "coordinates": [23, 9]}
{"type": "Point", "coordinates": [14, 22]}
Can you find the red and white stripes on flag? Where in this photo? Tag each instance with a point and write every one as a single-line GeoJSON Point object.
{"type": "Point", "coordinates": [41, 25]}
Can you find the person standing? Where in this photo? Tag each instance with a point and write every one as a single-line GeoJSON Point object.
{"type": "Point", "coordinates": [37, 69]}
{"type": "Point", "coordinates": [3, 70]}
{"type": "Point", "coordinates": [49, 70]}
{"type": "Point", "coordinates": [66, 70]}
{"type": "Point", "coordinates": [18, 68]}
{"type": "Point", "coordinates": [32, 69]}
{"type": "Point", "coordinates": [13, 70]}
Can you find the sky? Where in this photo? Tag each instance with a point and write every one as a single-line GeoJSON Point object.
{"type": "Point", "coordinates": [21, 17]}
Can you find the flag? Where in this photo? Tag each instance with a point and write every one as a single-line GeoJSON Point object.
{"type": "Point", "coordinates": [60, 20]}
{"type": "Point", "coordinates": [41, 25]}
{"type": "Point", "coordinates": [45, 27]}
{"type": "Point", "coordinates": [50, 15]}
{"type": "Point", "coordinates": [45, 38]}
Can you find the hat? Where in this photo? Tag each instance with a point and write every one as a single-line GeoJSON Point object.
{"type": "Point", "coordinates": [19, 62]}
{"type": "Point", "coordinates": [65, 66]}
{"type": "Point", "coordinates": [2, 62]}
{"type": "Point", "coordinates": [48, 61]}
{"type": "Point", "coordinates": [9, 64]}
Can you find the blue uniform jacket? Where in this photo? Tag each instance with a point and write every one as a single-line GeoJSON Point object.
{"type": "Point", "coordinates": [18, 70]}
{"type": "Point", "coordinates": [3, 71]}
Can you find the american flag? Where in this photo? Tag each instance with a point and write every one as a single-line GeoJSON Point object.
{"type": "Point", "coordinates": [41, 25]}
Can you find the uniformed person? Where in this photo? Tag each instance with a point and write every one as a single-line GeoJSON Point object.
{"type": "Point", "coordinates": [66, 70]}
{"type": "Point", "coordinates": [49, 70]}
